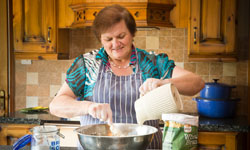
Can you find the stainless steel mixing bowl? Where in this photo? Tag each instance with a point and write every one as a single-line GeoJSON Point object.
{"type": "Point", "coordinates": [99, 137]}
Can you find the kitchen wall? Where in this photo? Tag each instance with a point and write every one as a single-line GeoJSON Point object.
{"type": "Point", "coordinates": [38, 82]}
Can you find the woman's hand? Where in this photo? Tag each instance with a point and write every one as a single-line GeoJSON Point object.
{"type": "Point", "coordinates": [101, 111]}
{"type": "Point", "coordinates": [150, 84]}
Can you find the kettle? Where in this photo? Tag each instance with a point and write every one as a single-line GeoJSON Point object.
{"type": "Point", "coordinates": [43, 137]}
{"type": "Point", "coordinates": [162, 100]}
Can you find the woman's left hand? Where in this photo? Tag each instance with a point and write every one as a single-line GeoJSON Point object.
{"type": "Point", "coordinates": [150, 84]}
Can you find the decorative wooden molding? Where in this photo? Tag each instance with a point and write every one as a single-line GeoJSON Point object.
{"type": "Point", "coordinates": [145, 13]}
{"type": "Point", "coordinates": [41, 56]}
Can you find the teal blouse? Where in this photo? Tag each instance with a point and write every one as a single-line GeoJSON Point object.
{"type": "Point", "coordinates": [82, 74]}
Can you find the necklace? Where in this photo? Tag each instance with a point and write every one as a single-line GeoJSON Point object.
{"type": "Point", "coordinates": [118, 66]}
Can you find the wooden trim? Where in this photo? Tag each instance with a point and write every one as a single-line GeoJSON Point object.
{"type": "Point", "coordinates": [84, 13]}
{"type": "Point", "coordinates": [76, 7]}
{"type": "Point", "coordinates": [249, 74]}
{"type": "Point", "coordinates": [6, 52]}
{"type": "Point", "coordinates": [41, 56]}
{"type": "Point", "coordinates": [248, 135]}
{"type": "Point", "coordinates": [3, 51]}
{"type": "Point", "coordinates": [11, 59]}
{"type": "Point", "coordinates": [212, 58]}
{"type": "Point", "coordinates": [226, 139]}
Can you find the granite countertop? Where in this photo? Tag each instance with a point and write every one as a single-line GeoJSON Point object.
{"type": "Point", "coordinates": [235, 124]}
{"type": "Point", "coordinates": [35, 118]}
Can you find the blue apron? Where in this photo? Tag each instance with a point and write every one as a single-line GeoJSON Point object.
{"type": "Point", "coordinates": [120, 92]}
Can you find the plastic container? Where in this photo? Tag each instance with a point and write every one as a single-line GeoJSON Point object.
{"type": "Point", "coordinates": [42, 138]}
{"type": "Point", "coordinates": [45, 137]}
{"type": "Point", "coordinates": [164, 99]}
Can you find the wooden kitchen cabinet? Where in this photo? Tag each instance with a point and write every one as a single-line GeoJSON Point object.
{"type": "Point", "coordinates": [36, 35]}
{"type": "Point", "coordinates": [211, 30]}
{"type": "Point", "coordinates": [221, 141]}
{"type": "Point", "coordinates": [80, 13]}
{"type": "Point", "coordinates": [179, 14]}
{"type": "Point", "coordinates": [64, 11]}
{"type": "Point", "coordinates": [10, 132]}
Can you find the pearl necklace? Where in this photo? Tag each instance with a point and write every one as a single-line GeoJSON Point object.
{"type": "Point", "coordinates": [118, 66]}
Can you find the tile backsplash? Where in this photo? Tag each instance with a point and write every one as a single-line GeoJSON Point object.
{"type": "Point", "coordinates": [37, 83]}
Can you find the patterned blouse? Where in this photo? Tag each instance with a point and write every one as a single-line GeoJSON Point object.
{"type": "Point", "coordinates": [82, 75]}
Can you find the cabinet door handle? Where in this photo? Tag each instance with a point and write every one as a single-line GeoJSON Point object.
{"type": "Point", "coordinates": [137, 14]}
{"type": "Point", "coordinates": [95, 13]}
{"type": "Point", "coordinates": [195, 38]}
{"type": "Point", "coordinates": [2, 103]}
{"type": "Point", "coordinates": [2, 94]}
{"type": "Point", "coordinates": [49, 38]}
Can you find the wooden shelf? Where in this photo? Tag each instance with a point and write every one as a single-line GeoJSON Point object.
{"type": "Point", "coordinates": [212, 58]}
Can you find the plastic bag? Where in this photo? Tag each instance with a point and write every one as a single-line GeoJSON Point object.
{"type": "Point", "coordinates": [180, 132]}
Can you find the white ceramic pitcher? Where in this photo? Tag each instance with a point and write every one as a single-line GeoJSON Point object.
{"type": "Point", "coordinates": [164, 99]}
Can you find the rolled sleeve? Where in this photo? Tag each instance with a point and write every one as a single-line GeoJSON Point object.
{"type": "Point", "coordinates": [75, 76]}
{"type": "Point", "coordinates": [165, 66]}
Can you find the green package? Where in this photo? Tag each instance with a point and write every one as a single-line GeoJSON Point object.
{"type": "Point", "coordinates": [180, 132]}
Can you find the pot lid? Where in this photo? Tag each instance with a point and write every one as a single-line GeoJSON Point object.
{"type": "Point", "coordinates": [215, 83]}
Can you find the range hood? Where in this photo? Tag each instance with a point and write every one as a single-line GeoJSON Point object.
{"type": "Point", "coordinates": [149, 13]}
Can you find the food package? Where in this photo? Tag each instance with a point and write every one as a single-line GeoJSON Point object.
{"type": "Point", "coordinates": [180, 132]}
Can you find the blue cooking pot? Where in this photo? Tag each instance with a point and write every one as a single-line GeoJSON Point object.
{"type": "Point", "coordinates": [215, 90]}
{"type": "Point", "coordinates": [216, 108]}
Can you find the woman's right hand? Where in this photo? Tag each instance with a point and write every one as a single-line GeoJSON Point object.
{"type": "Point", "coordinates": [101, 111]}
{"type": "Point", "coordinates": [150, 84]}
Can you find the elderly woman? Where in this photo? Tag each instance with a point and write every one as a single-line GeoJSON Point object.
{"type": "Point", "coordinates": [108, 81]}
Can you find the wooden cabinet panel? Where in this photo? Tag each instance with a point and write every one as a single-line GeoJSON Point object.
{"type": "Point", "coordinates": [34, 26]}
{"type": "Point", "coordinates": [35, 31]}
{"type": "Point", "coordinates": [4, 59]}
{"type": "Point", "coordinates": [13, 131]}
{"type": "Point", "coordinates": [179, 14]}
{"type": "Point", "coordinates": [218, 140]}
{"type": "Point", "coordinates": [212, 30]}
{"type": "Point", "coordinates": [65, 13]}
